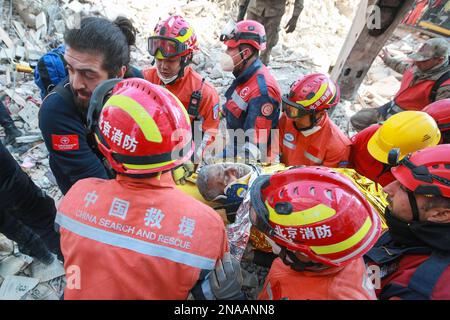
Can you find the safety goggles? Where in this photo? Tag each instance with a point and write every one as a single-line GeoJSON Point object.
{"type": "Point", "coordinates": [293, 110]}
{"type": "Point", "coordinates": [168, 47]}
{"type": "Point", "coordinates": [241, 36]}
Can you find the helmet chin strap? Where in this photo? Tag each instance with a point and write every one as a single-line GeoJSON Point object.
{"type": "Point", "coordinates": [184, 62]}
{"type": "Point", "coordinates": [413, 204]}
{"type": "Point", "coordinates": [313, 119]}
{"type": "Point", "coordinates": [295, 263]}
{"type": "Point", "coordinates": [244, 60]}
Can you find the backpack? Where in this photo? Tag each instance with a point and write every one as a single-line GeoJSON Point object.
{"type": "Point", "coordinates": [50, 70]}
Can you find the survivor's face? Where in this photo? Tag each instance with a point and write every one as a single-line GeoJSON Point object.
{"type": "Point", "coordinates": [398, 202]}
{"type": "Point", "coordinates": [223, 174]}
{"type": "Point", "coordinates": [85, 73]}
{"type": "Point", "coordinates": [168, 67]}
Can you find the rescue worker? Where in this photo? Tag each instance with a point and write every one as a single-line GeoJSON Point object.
{"type": "Point", "coordinates": [307, 134]}
{"type": "Point", "coordinates": [98, 50]}
{"type": "Point", "coordinates": [27, 214]}
{"type": "Point", "coordinates": [159, 239]}
{"type": "Point", "coordinates": [440, 111]}
{"type": "Point", "coordinates": [413, 257]}
{"type": "Point", "coordinates": [253, 99]}
{"type": "Point", "coordinates": [407, 131]}
{"type": "Point", "coordinates": [173, 45]}
{"type": "Point", "coordinates": [11, 131]}
{"type": "Point", "coordinates": [305, 214]}
{"type": "Point", "coordinates": [226, 185]}
{"type": "Point", "coordinates": [425, 79]}
{"type": "Point", "coordinates": [269, 14]}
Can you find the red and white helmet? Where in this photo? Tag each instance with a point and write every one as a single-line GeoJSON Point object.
{"type": "Point", "coordinates": [315, 211]}
{"type": "Point", "coordinates": [310, 94]}
{"type": "Point", "coordinates": [143, 128]}
{"type": "Point", "coordinates": [440, 111]}
{"type": "Point", "coordinates": [426, 172]}
{"type": "Point", "coordinates": [173, 37]}
{"type": "Point", "coordinates": [244, 32]}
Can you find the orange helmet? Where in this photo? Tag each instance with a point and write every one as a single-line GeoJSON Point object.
{"type": "Point", "coordinates": [315, 211]}
{"type": "Point", "coordinates": [310, 94]}
{"type": "Point", "coordinates": [142, 127]}
{"type": "Point", "coordinates": [173, 37]}
{"type": "Point", "coordinates": [244, 32]}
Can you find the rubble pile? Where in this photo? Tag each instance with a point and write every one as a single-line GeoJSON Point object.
{"type": "Point", "coordinates": [29, 28]}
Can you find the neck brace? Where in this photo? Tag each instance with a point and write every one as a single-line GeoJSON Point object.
{"type": "Point", "coordinates": [236, 190]}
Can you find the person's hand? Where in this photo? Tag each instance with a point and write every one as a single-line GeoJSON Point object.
{"type": "Point", "coordinates": [226, 278]}
{"type": "Point", "coordinates": [384, 54]}
{"type": "Point", "coordinates": [181, 173]}
{"type": "Point", "coordinates": [292, 24]}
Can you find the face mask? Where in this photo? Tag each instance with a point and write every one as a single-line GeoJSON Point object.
{"type": "Point", "coordinates": [235, 191]}
{"type": "Point", "coordinates": [166, 80]}
{"type": "Point", "coordinates": [226, 62]}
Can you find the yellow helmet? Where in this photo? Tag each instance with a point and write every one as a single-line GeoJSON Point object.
{"type": "Point", "coordinates": [408, 131]}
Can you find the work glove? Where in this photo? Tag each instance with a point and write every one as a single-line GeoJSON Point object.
{"type": "Point", "coordinates": [226, 279]}
{"type": "Point", "coordinates": [181, 173]}
{"type": "Point", "coordinates": [292, 24]}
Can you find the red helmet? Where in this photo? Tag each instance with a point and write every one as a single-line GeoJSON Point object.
{"type": "Point", "coordinates": [310, 94]}
{"type": "Point", "coordinates": [440, 111]}
{"type": "Point", "coordinates": [143, 128]}
{"type": "Point", "coordinates": [244, 32]}
{"type": "Point", "coordinates": [173, 37]}
{"type": "Point", "coordinates": [426, 172]}
{"type": "Point", "coordinates": [316, 211]}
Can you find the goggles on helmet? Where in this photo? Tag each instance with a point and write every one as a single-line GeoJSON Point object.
{"type": "Point", "coordinates": [294, 110]}
{"type": "Point", "coordinates": [168, 47]}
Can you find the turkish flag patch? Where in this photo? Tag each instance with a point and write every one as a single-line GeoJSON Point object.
{"type": "Point", "coordinates": [65, 142]}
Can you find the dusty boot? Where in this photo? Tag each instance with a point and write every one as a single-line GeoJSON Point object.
{"type": "Point", "coordinates": [11, 133]}
{"type": "Point", "coordinates": [29, 242]}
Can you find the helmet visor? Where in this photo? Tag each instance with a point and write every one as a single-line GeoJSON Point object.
{"type": "Point", "coordinates": [167, 46]}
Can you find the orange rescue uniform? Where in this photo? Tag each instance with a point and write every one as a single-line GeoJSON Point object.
{"type": "Point", "coordinates": [348, 283]}
{"type": "Point", "coordinates": [136, 239]}
{"type": "Point", "coordinates": [328, 146]}
{"type": "Point", "coordinates": [183, 88]}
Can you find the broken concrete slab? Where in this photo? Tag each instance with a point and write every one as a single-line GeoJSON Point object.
{"type": "Point", "coordinates": [41, 23]}
{"type": "Point", "coordinates": [17, 98]}
{"type": "Point", "coordinates": [6, 39]}
{"type": "Point", "coordinates": [12, 265]}
{"type": "Point", "coordinates": [45, 272]}
{"type": "Point", "coordinates": [28, 139]}
{"type": "Point", "coordinates": [42, 292]}
{"type": "Point", "coordinates": [15, 287]}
